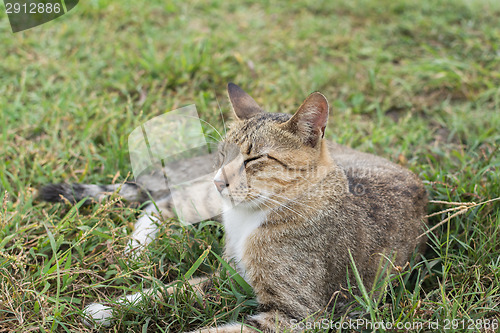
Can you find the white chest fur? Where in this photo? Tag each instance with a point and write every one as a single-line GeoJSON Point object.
{"type": "Point", "coordinates": [239, 224]}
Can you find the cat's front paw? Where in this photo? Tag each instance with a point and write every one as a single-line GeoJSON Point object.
{"type": "Point", "coordinates": [97, 314]}
{"type": "Point", "coordinates": [140, 238]}
{"type": "Point", "coordinates": [229, 328]}
{"type": "Point", "coordinates": [134, 249]}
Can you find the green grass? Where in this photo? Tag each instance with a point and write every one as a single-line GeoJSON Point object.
{"type": "Point", "coordinates": [414, 81]}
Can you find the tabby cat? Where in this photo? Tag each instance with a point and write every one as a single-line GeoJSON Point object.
{"type": "Point", "coordinates": [302, 204]}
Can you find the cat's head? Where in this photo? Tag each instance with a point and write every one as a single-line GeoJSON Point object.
{"type": "Point", "coordinates": [267, 158]}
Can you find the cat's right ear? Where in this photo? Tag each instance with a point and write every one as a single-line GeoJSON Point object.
{"type": "Point", "coordinates": [244, 106]}
{"type": "Point", "coordinates": [309, 122]}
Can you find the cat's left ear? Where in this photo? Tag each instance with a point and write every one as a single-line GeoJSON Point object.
{"type": "Point", "coordinates": [244, 106]}
{"type": "Point", "coordinates": [309, 122]}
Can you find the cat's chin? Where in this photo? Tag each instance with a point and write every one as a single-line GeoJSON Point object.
{"type": "Point", "coordinates": [247, 204]}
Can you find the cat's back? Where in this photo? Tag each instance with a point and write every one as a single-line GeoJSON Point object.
{"type": "Point", "coordinates": [370, 175]}
{"type": "Point", "coordinates": [392, 199]}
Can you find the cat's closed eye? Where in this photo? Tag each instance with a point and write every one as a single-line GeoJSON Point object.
{"type": "Point", "coordinates": [254, 158]}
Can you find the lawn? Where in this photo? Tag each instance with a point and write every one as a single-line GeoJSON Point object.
{"type": "Point", "coordinates": [417, 82]}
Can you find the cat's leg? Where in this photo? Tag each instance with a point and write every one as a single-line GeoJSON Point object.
{"type": "Point", "coordinates": [146, 227]}
{"type": "Point", "coordinates": [229, 328]}
{"type": "Point", "coordinates": [100, 314]}
{"type": "Point", "coordinates": [272, 321]}
{"type": "Point", "coordinates": [195, 202]}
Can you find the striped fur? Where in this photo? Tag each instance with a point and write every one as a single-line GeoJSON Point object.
{"type": "Point", "coordinates": [303, 204]}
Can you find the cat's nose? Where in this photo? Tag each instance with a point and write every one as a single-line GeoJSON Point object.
{"type": "Point", "coordinates": [220, 184]}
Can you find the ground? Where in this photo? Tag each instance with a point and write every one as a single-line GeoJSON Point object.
{"type": "Point", "coordinates": [414, 81]}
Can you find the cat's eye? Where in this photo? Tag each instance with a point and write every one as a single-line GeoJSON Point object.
{"type": "Point", "coordinates": [248, 160]}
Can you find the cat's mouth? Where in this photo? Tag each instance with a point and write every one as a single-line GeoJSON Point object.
{"type": "Point", "coordinates": [250, 199]}
{"type": "Point", "coordinates": [237, 196]}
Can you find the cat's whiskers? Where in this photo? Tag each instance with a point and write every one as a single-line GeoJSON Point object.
{"type": "Point", "coordinates": [257, 199]}
{"type": "Point", "coordinates": [287, 206]}
{"type": "Point", "coordinates": [212, 126]}
{"type": "Point", "coordinates": [289, 200]}
{"type": "Point", "coordinates": [292, 200]}
{"type": "Point", "coordinates": [262, 200]}
{"type": "Point", "coordinates": [213, 137]}
{"type": "Point", "coordinates": [281, 205]}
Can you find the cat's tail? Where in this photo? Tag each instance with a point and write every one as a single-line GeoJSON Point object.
{"type": "Point", "coordinates": [76, 192]}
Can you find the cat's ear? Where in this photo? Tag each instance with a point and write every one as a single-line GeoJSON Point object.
{"type": "Point", "coordinates": [244, 106]}
{"type": "Point", "coordinates": [309, 122]}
